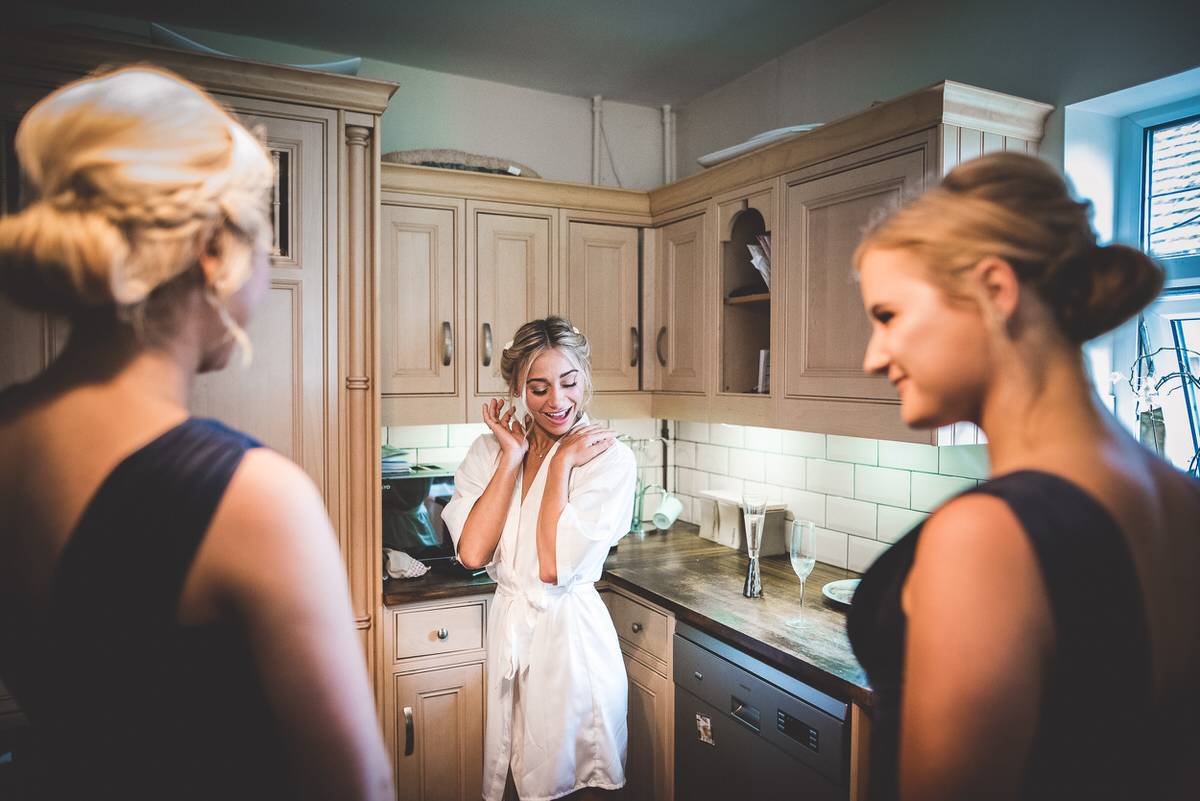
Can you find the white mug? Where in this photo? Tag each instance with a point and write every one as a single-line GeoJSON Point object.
{"type": "Point", "coordinates": [667, 512]}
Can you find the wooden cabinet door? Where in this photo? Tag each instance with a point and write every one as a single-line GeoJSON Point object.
{"type": "Point", "coordinates": [288, 393]}
{"type": "Point", "coordinates": [602, 300]}
{"type": "Point", "coordinates": [513, 285]}
{"type": "Point", "coordinates": [437, 725]}
{"type": "Point", "coordinates": [649, 762]}
{"type": "Point", "coordinates": [826, 328]}
{"type": "Point", "coordinates": [420, 300]}
{"type": "Point", "coordinates": [682, 290]}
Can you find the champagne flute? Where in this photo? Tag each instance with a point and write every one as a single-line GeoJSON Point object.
{"type": "Point", "coordinates": [803, 551]}
{"type": "Point", "coordinates": [755, 508]}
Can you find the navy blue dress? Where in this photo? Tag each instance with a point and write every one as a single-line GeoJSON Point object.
{"type": "Point", "coordinates": [1098, 735]}
{"type": "Point", "coordinates": [125, 702]}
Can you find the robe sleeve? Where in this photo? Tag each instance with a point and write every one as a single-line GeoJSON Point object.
{"type": "Point", "coordinates": [470, 480]}
{"type": "Point", "coordinates": [598, 513]}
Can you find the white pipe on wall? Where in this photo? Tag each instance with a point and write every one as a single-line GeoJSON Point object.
{"type": "Point", "coordinates": [596, 101]}
{"type": "Point", "coordinates": [668, 145]}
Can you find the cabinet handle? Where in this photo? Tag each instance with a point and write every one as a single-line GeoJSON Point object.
{"type": "Point", "coordinates": [658, 346]}
{"type": "Point", "coordinates": [635, 347]}
{"type": "Point", "coordinates": [408, 731]}
{"type": "Point", "coordinates": [448, 347]}
{"type": "Point", "coordinates": [487, 345]}
{"type": "Point", "coordinates": [637, 627]}
{"type": "Point", "coordinates": [443, 634]}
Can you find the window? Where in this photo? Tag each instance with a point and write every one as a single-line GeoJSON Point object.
{"type": "Point", "coordinates": [1171, 203]}
{"type": "Point", "coordinates": [1166, 377]}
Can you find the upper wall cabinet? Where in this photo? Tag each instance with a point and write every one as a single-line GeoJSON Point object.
{"type": "Point", "coordinates": [468, 258]}
{"type": "Point", "coordinates": [310, 389]}
{"type": "Point", "coordinates": [812, 195]}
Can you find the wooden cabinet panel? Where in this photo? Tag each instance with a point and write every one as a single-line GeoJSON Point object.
{"type": "Point", "coordinates": [513, 285]}
{"type": "Point", "coordinates": [651, 717]}
{"type": "Point", "coordinates": [287, 393]}
{"type": "Point", "coordinates": [441, 630]}
{"type": "Point", "coordinates": [680, 340]}
{"type": "Point", "coordinates": [826, 328]}
{"type": "Point", "coordinates": [602, 294]}
{"type": "Point", "coordinates": [422, 293]}
{"type": "Point", "coordinates": [437, 718]}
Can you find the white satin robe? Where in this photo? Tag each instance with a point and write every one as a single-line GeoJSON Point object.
{"type": "Point", "coordinates": [557, 693]}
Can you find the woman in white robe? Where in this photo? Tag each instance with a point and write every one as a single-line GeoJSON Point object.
{"type": "Point", "coordinates": [539, 501]}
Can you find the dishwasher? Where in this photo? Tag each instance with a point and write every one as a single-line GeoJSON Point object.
{"type": "Point", "coordinates": [746, 730]}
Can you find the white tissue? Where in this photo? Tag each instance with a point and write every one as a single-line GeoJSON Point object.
{"type": "Point", "coordinates": [401, 565]}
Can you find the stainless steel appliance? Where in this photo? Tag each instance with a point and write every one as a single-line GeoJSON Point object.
{"type": "Point", "coordinates": [746, 730]}
{"type": "Point", "coordinates": [412, 513]}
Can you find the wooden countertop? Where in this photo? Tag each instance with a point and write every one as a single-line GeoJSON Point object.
{"type": "Point", "coordinates": [701, 583]}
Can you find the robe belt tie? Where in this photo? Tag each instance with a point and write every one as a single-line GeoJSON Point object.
{"type": "Point", "coordinates": [522, 609]}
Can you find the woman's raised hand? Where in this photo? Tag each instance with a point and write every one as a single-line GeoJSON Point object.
{"type": "Point", "coordinates": [508, 430]}
{"type": "Point", "coordinates": [582, 444]}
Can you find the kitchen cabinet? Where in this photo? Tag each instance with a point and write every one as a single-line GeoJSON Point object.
{"type": "Point", "coordinates": [468, 258]}
{"type": "Point", "coordinates": [433, 698]}
{"type": "Point", "coordinates": [680, 293]}
{"type": "Point", "coordinates": [821, 188]}
{"type": "Point", "coordinates": [645, 632]}
{"type": "Point", "coordinates": [748, 313]}
{"type": "Point", "coordinates": [310, 391]}
{"type": "Point", "coordinates": [827, 206]}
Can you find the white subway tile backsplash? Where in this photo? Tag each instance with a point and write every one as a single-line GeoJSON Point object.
{"type": "Point", "coordinates": [832, 547]}
{"type": "Point", "coordinates": [830, 478]}
{"type": "Point", "coordinates": [802, 443]}
{"type": "Point", "coordinates": [852, 449]}
{"type": "Point", "coordinates": [690, 482]}
{"type": "Point", "coordinates": [860, 553]}
{"type": "Point", "coordinates": [968, 461]}
{"type": "Point", "coordinates": [729, 435]}
{"type": "Point", "coordinates": [462, 435]}
{"type": "Point", "coordinates": [769, 440]}
{"type": "Point", "coordinates": [908, 456]}
{"type": "Point", "coordinates": [692, 432]}
{"type": "Point", "coordinates": [850, 516]}
{"type": "Point", "coordinates": [805, 505]}
{"type": "Point", "coordinates": [894, 523]}
{"type": "Point", "coordinates": [930, 491]}
{"type": "Point", "coordinates": [638, 428]}
{"type": "Point", "coordinates": [882, 485]}
{"type": "Point", "coordinates": [786, 471]}
{"type": "Point", "coordinates": [712, 459]}
{"type": "Point", "coordinates": [748, 465]}
{"type": "Point", "coordinates": [719, 481]}
{"type": "Point", "coordinates": [417, 436]}
{"type": "Point", "coordinates": [446, 457]}
{"type": "Point", "coordinates": [684, 453]}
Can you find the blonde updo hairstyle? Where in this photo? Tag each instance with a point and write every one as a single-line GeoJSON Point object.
{"type": "Point", "coordinates": [132, 173]}
{"type": "Point", "coordinates": [1018, 208]}
{"type": "Point", "coordinates": [540, 336]}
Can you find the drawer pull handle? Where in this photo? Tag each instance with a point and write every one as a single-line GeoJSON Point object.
{"type": "Point", "coordinates": [448, 344]}
{"type": "Point", "coordinates": [443, 634]}
{"type": "Point", "coordinates": [487, 345]}
{"type": "Point", "coordinates": [662, 332]}
{"type": "Point", "coordinates": [408, 731]}
{"type": "Point", "coordinates": [637, 627]}
{"type": "Point", "coordinates": [635, 347]}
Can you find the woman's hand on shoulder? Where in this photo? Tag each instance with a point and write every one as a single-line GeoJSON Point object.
{"type": "Point", "coordinates": [583, 443]}
{"type": "Point", "coordinates": [509, 431]}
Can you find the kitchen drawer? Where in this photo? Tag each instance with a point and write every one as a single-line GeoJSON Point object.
{"type": "Point", "coordinates": [639, 625]}
{"type": "Point", "coordinates": [437, 630]}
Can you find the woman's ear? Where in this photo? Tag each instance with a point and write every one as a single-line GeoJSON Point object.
{"type": "Point", "coordinates": [210, 256]}
{"type": "Point", "coordinates": [1000, 285]}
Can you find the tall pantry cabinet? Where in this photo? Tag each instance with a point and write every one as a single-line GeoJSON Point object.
{"type": "Point", "coordinates": [311, 391]}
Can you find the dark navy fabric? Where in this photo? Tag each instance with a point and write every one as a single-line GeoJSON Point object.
{"type": "Point", "coordinates": [126, 702]}
{"type": "Point", "coordinates": [1098, 736]}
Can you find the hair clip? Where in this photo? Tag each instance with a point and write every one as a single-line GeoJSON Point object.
{"type": "Point", "coordinates": [508, 345]}
{"type": "Point", "coordinates": [576, 330]}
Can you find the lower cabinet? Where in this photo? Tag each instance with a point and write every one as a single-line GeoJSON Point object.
{"type": "Point", "coordinates": [645, 632]}
{"type": "Point", "coordinates": [434, 698]}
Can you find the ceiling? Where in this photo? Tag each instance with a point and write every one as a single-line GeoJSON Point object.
{"type": "Point", "coordinates": [644, 52]}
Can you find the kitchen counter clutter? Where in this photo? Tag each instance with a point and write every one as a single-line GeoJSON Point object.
{"type": "Point", "coordinates": [701, 583]}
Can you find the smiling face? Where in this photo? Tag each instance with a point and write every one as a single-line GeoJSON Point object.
{"type": "Point", "coordinates": [934, 350]}
{"type": "Point", "coordinates": [553, 392]}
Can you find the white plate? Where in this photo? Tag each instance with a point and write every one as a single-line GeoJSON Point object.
{"type": "Point", "coordinates": [841, 591]}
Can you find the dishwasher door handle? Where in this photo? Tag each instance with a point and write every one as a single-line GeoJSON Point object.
{"type": "Point", "coordinates": [741, 711]}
